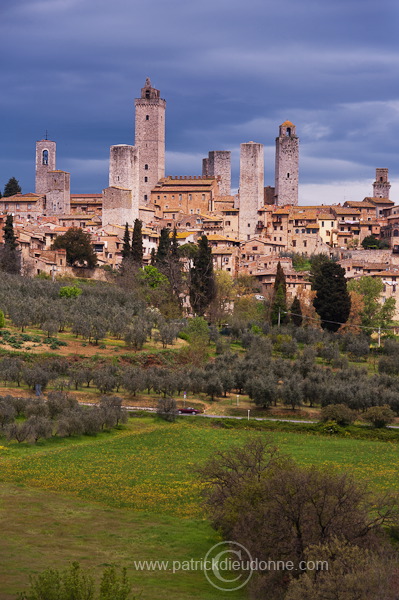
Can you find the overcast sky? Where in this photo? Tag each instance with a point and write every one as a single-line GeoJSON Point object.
{"type": "Point", "coordinates": [231, 71]}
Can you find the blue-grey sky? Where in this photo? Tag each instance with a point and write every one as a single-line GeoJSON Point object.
{"type": "Point", "coordinates": [230, 70]}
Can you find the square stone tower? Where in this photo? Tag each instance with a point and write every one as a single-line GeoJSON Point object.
{"type": "Point", "coordinates": [58, 195]}
{"type": "Point", "coordinates": [381, 185]}
{"type": "Point", "coordinates": [150, 139]}
{"type": "Point", "coordinates": [121, 198]}
{"type": "Point", "coordinates": [45, 162]}
{"type": "Point", "coordinates": [287, 164]}
{"type": "Point", "coordinates": [218, 164]}
{"type": "Point", "coordinates": [251, 194]}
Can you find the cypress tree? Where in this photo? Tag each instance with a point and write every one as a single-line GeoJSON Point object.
{"type": "Point", "coordinates": [202, 278]}
{"type": "Point", "coordinates": [12, 187]}
{"type": "Point", "coordinates": [10, 257]}
{"type": "Point", "coordinates": [280, 279]}
{"type": "Point", "coordinates": [126, 248]}
{"type": "Point", "coordinates": [10, 239]}
{"type": "Point", "coordinates": [332, 301]}
{"type": "Point", "coordinates": [174, 247]}
{"type": "Point", "coordinates": [279, 306]}
{"type": "Point", "coordinates": [137, 243]}
{"type": "Point", "coordinates": [153, 257]}
{"type": "Point", "coordinates": [163, 249]}
{"type": "Point", "coordinates": [296, 312]}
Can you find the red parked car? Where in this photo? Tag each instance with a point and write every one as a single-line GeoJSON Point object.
{"type": "Point", "coordinates": [188, 411]}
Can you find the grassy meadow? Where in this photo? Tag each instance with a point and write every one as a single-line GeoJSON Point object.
{"type": "Point", "coordinates": [133, 494]}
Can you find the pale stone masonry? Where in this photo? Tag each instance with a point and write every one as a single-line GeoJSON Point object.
{"type": "Point", "coordinates": [381, 185]}
{"type": "Point", "coordinates": [287, 165]}
{"type": "Point", "coordinates": [218, 164]}
{"type": "Point", "coordinates": [45, 162]}
{"type": "Point", "coordinates": [58, 195]}
{"type": "Point", "coordinates": [251, 194]}
{"type": "Point", "coordinates": [150, 139]}
{"type": "Point", "coordinates": [121, 198]}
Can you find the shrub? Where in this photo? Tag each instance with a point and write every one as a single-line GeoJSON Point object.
{"type": "Point", "coordinates": [339, 413]}
{"type": "Point", "coordinates": [379, 416]}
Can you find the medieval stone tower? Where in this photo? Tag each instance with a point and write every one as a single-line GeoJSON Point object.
{"type": "Point", "coordinates": [251, 194]}
{"type": "Point", "coordinates": [121, 198]}
{"type": "Point", "coordinates": [58, 195]}
{"type": "Point", "coordinates": [45, 162]}
{"type": "Point", "coordinates": [150, 139]}
{"type": "Point", "coordinates": [381, 185]}
{"type": "Point", "coordinates": [286, 169]}
{"type": "Point", "coordinates": [218, 164]}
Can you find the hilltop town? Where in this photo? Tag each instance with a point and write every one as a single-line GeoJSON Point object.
{"type": "Point", "coordinates": [249, 232]}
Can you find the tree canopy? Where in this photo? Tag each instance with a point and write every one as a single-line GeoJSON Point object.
{"type": "Point", "coordinates": [373, 314]}
{"type": "Point", "coordinates": [12, 187]}
{"type": "Point", "coordinates": [202, 278]}
{"type": "Point", "coordinates": [332, 301]}
{"type": "Point", "coordinates": [78, 246]}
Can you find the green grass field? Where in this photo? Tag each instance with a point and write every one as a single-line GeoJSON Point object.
{"type": "Point", "coordinates": [133, 494]}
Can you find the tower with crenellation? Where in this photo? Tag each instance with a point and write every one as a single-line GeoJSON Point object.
{"type": "Point", "coordinates": [381, 185]}
{"type": "Point", "coordinates": [149, 139]}
{"type": "Point", "coordinates": [287, 165]}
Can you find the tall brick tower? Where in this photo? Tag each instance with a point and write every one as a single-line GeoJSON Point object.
{"type": "Point", "coordinates": [251, 193]}
{"type": "Point", "coordinates": [150, 139]}
{"type": "Point", "coordinates": [381, 185]}
{"type": "Point", "coordinates": [45, 162]}
{"type": "Point", "coordinates": [287, 161]}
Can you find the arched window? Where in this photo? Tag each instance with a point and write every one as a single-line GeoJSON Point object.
{"type": "Point", "coordinates": [45, 157]}
{"type": "Point", "coordinates": [288, 175]}
{"type": "Point", "coordinates": [147, 117]}
{"type": "Point", "coordinates": [288, 134]}
{"type": "Point", "coordinates": [146, 167]}
{"type": "Point", "coordinates": [147, 94]}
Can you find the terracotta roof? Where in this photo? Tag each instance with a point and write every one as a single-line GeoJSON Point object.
{"type": "Point", "coordinates": [375, 200]}
{"type": "Point", "coordinates": [341, 210]}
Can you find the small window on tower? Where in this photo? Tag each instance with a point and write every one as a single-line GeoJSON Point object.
{"type": "Point", "coordinates": [146, 167]}
{"type": "Point", "coordinates": [288, 132]}
{"type": "Point", "coordinates": [288, 175]}
{"type": "Point", "coordinates": [145, 197]}
{"type": "Point", "coordinates": [45, 157]}
{"type": "Point", "coordinates": [145, 179]}
{"type": "Point", "coordinates": [147, 117]}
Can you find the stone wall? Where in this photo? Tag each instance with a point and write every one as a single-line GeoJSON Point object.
{"type": "Point", "coordinates": [58, 196]}
{"type": "Point", "coordinates": [218, 164]}
{"type": "Point", "coordinates": [118, 206]}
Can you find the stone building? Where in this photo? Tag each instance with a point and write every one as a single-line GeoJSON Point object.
{"type": "Point", "coordinates": [189, 195]}
{"type": "Point", "coordinates": [251, 192]}
{"type": "Point", "coordinates": [381, 185]}
{"type": "Point", "coordinates": [150, 139]}
{"type": "Point", "coordinates": [218, 164]}
{"type": "Point", "coordinates": [287, 165]}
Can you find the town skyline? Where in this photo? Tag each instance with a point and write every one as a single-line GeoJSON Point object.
{"type": "Point", "coordinates": [229, 73]}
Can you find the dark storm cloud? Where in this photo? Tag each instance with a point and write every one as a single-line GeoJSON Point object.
{"type": "Point", "coordinates": [230, 70]}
